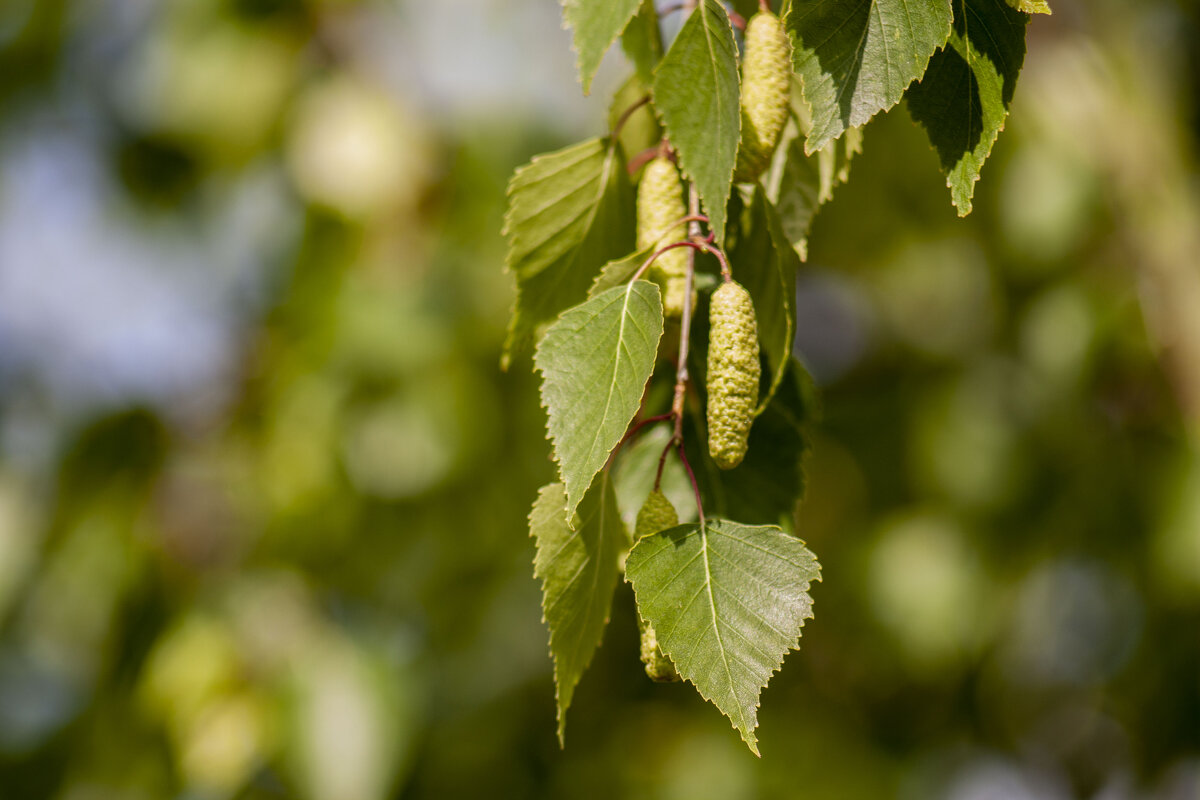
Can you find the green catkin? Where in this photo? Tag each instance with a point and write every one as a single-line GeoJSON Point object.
{"type": "Point", "coordinates": [733, 374]}
{"type": "Point", "coordinates": [657, 514]}
{"type": "Point", "coordinates": [659, 206]}
{"type": "Point", "coordinates": [766, 90]}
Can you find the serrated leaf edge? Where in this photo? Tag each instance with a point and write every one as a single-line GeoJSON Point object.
{"type": "Point", "coordinates": [586, 81]}
{"type": "Point", "coordinates": [628, 289]}
{"type": "Point", "coordinates": [809, 146]}
{"type": "Point", "coordinates": [748, 735]}
{"type": "Point", "coordinates": [682, 166]}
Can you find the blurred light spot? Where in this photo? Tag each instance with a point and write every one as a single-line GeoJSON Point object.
{"type": "Point", "coordinates": [1075, 623]}
{"type": "Point", "coordinates": [437, 49]}
{"type": "Point", "coordinates": [352, 723]}
{"type": "Point", "coordinates": [706, 766]}
{"type": "Point", "coordinates": [965, 442]}
{"type": "Point", "coordinates": [355, 150]}
{"type": "Point", "coordinates": [992, 779]}
{"type": "Point", "coordinates": [927, 587]}
{"type": "Point", "coordinates": [211, 82]}
{"type": "Point", "coordinates": [1057, 335]}
{"type": "Point", "coordinates": [938, 296]}
{"type": "Point", "coordinates": [400, 448]}
{"type": "Point", "coordinates": [1047, 196]}
{"type": "Point", "coordinates": [192, 664]}
{"type": "Point", "coordinates": [226, 743]}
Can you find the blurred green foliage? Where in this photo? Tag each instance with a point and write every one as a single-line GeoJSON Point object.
{"type": "Point", "coordinates": [317, 583]}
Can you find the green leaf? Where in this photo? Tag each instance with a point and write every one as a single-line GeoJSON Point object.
{"type": "Point", "coordinates": [765, 263]}
{"type": "Point", "coordinates": [620, 270]}
{"type": "Point", "coordinates": [597, 24]}
{"type": "Point", "coordinates": [964, 97]}
{"type": "Point", "coordinates": [1031, 6]}
{"type": "Point", "coordinates": [856, 57]}
{"type": "Point", "coordinates": [569, 212]}
{"type": "Point", "coordinates": [578, 565]}
{"type": "Point", "coordinates": [595, 362]}
{"type": "Point", "coordinates": [769, 483]}
{"type": "Point", "coordinates": [636, 466]}
{"type": "Point", "coordinates": [696, 93]}
{"type": "Point", "coordinates": [642, 41]}
{"type": "Point", "coordinates": [727, 602]}
{"type": "Point", "coordinates": [800, 183]}
{"type": "Point", "coordinates": [641, 130]}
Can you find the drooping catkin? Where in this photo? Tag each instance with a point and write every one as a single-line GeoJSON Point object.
{"type": "Point", "coordinates": [660, 206]}
{"type": "Point", "coordinates": [766, 90]}
{"type": "Point", "coordinates": [733, 374]}
{"type": "Point", "coordinates": [656, 514]}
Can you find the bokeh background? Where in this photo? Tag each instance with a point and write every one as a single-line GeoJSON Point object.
{"type": "Point", "coordinates": [263, 487]}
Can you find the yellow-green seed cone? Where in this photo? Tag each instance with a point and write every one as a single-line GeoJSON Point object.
{"type": "Point", "coordinates": [660, 206]}
{"type": "Point", "coordinates": [656, 514]}
{"type": "Point", "coordinates": [733, 374]}
{"type": "Point", "coordinates": [766, 89]}
{"type": "Point", "coordinates": [658, 666]}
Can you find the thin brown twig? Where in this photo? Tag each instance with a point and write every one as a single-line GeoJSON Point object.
{"type": "Point", "coordinates": [692, 477]}
{"type": "Point", "coordinates": [690, 218]}
{"type": "Point", "coordinates": [726, 272]}
{"type": "Point", "coordinates": [626, 114]}
{"type": "Point", "coordinates": [685, 329]}
{"type": "Point", "coordinates": [662, 460]}
{"type": "Point", "coordinates": [629, 434]}
{"type": "Point", "coordinates": [642, 158]}
{"type": "Point", "coordinates": [659, 252]}
{"type": "Point", "coordinates": [641, 424]}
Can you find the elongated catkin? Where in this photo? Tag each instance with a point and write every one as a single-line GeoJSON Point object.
{"type": "Point", "coordinates": [733, 374]}
{"type": "Point", "coordinates": [766, 89]}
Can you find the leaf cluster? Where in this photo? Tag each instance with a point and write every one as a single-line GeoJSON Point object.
{"type": "Point", "coordinates": [726, 599]}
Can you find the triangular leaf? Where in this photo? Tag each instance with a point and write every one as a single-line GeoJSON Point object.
{"type": "Point", "coordinates": [696, 92]}
{"type": "Point", "coordinates": [595, 362]}
{"type": "Point", "coordinates": [796, 192]}
{"type": "Point", "coordinates": [856, 57]}
{"type": "Point", "coordinates": [727, 602]}
{"type": "Point", "coordinates": [799, 183]}
{"type": "Point", "coordinates": [568, 213]}
{"type": "Point", "coordinates": [596, 25]}
{"type": "Point", "coordinates": [642, 41]}
{"type": "Point", "coordinates": [963, 99]}
{"type": "Point", "coordinates": [620, 270]}
{"type": "Point", "coordinates": [578, 566]}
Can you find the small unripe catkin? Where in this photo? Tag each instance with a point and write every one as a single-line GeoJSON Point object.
{"type": "Point", "coordinates": [766, 89]}
{"type": "Point", "coordinates": [659, 207]}
{"type": "Point", "coordinates": [656, 514]}
{"type": "Point", "coordinates": [733, 374]}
